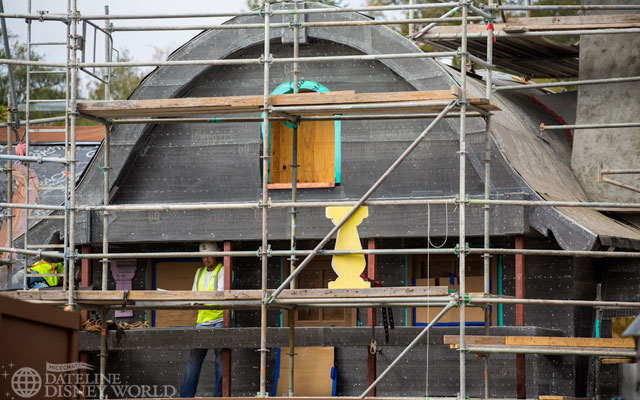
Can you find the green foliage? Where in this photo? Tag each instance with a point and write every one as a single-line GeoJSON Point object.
{"type": "Point", "coordinates": [123, 82]}
{"type": "Point", "coordinates": [43, 86]}
{"type": "Point", "coordinates": [255, 4]}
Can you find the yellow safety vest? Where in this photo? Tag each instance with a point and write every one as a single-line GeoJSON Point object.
{"type": "Point", "coordinates": [208, 315]}
{"type": "Point", "coordinates": [43, 267]}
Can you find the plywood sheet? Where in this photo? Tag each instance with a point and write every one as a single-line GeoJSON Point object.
{"type": "Point", "coordinates": [316, 152]}
{"type": "Point", "coordinates": [312, 371]}
{"type": "Point", "coordinates": [174, 275]}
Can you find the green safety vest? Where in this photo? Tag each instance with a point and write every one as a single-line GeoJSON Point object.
{"type": "Point", "coordinates": [208, 315]}
{"type": "Point", "coordinates": [43, 267]}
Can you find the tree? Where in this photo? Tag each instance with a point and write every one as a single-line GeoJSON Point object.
{"type": "Point", "coordinates": [43, 86]}
{"type": "Point", "coordinates": [255, 4]}
{"type": "Point", "coordinates": [124, 81]}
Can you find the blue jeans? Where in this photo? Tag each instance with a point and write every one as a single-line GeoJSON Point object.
{"type": "Point", "coordinates": [194, 365]}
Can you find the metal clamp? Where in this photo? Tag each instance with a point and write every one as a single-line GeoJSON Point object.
{"type": "Point", "coordinates": [42, 14]}
{"type": "Point", "coordinates": [268, 60]}
{"type": "Point", "coordinates": [124, 299]}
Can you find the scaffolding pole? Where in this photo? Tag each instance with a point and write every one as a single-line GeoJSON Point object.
{"type": "Point", "coordinates": [283, 253]}
{"type": "Point", "coordinates": [247, 61]}
{"type": "Point", "coordinates": [327, 24]}
{"type": "Point", "coordinates": [294, 198]}
{"type": "Point", "coordinates": [544, 127]}
{"type": "Point", "coordinates": [265, 198]}
{"type": "Point", "coordinates": [71, 178]}
{"type": "Point", "coordinates": [487, 193]}
{"type": "Point", "coordinates": [9, 172]}
{"type": "Point", "coordinates": [105, 199]}
{"type": "Point", "coordinates": [27, 138]}
{"type": "Point", "coordinates": [567, 83]}
{"type": "Point", "coordinates": [502, 34]}
{"type": "Point", "coordinates": [462, 193]}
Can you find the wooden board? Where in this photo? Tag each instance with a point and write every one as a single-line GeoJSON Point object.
{"type": "Point", "coordinates": [470, 339]}
{"type": "Point", "coordinates": [575, 22]}
{"type": "Point", "coordinates": [618, 360]}
{"type": "Point", "coordinates": [554, 397]}
{"type": "Point", "coordinates": [311, 374]}
{"type": "Point", "coordinates": [619, 325]}
{"type": "Point", "coordinates": [568, 342]}
{"type": "Point", "coordinates": [241, 104]}
{"type": "Point", "coordinates": [114, 297]}
{"type": "Point", "coordinates": [542, 341]}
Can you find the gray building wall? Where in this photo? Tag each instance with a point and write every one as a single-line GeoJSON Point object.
{"type": "Point", "coordinates": [608, 56]}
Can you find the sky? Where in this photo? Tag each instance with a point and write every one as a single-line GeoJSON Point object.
{"type": "Point", "coordinates": [141, 45]}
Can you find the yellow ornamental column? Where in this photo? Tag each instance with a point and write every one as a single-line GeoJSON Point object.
{"type": "Point", "coordinates": [348, 267]}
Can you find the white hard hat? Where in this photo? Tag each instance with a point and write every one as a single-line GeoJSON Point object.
{"type": "Point", "coordinates": [209, 246]}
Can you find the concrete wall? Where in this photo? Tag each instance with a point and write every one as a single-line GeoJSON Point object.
{"type": "Point", "coordinates": [608, 56]}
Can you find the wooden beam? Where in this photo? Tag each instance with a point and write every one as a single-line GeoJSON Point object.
{"type": "Point", "coordinates": [582, 22]}
{"type": "Point", "coordinates": [618, 360]}
{"type": "Point", "coordinates": [85, 278]}
{"type": "Point", "coordinates": [179, 107]}
{"type": "Point", "coordinates": [544, 341]}
{"type": "Point", "coordinates": [541, 341]}
{"type": "Point", "coordinates": [114, 297]}
{"type": "Point", "coordinates": [471, 339]}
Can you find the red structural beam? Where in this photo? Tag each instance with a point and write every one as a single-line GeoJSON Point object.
{"type": "Point", "coordinates": [371, 359]}
{"type": "Point", "coordinates": [521, 371]}
{"type": "Point", "coordinates": [227, 323]}
{"type": "Point", "coordinates": [85, 278]}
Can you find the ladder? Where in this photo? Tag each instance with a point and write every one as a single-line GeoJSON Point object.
{"type": "Point", "coordinates": [61, 104]}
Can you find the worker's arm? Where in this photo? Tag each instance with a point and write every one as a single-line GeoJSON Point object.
{"type": "Point", "coordinates": [220, 282]}
{"type": "Point", "coordinates": [195, 280]}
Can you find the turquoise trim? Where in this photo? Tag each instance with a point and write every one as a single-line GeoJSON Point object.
{"type": "Point", "coordinates": [281, 279]}
{"type": "Point", "coordinates": [406, 283]}
{"type": "Point", "coordinates": [500, 312]}
{"type": "Point", "coordinates": [337, 128]}
{"type": "Point", "coordinates": [286, 88]}
{"type": "Point", "coordinates": [597, 329]}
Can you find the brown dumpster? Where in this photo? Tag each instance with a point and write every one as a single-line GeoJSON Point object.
{"type": "Point", "coordinates": [38, 351]}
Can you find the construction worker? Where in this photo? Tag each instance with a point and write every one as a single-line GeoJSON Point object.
{"type": "Point", "coordinates": [42, 267]}
{"type": "Point", "coordinates": [209, 277]}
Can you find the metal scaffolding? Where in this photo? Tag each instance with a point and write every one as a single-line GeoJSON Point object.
{"type": "Point", "coordinates": [270, 298]}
